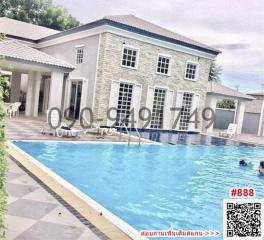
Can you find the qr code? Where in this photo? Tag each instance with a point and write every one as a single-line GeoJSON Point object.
{"type": "Point", "coordinates": [243, 219]}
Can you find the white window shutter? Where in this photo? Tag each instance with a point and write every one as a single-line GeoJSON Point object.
{"type": "Point", "coordinates": [195, 105]}
{"type": "Point", "coordinates": [149, 103]}
{"type": "Point", "coordinates": [179, 99]}
{"type": "Point", "coordinates": [167, 109]}
{"type": "Point", "coordinates": [113, 100]}
{"type": "Point", "coordinates": [136, 102]}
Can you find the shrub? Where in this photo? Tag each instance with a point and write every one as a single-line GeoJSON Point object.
{"type": "Point", "coordinates": [3, 163]}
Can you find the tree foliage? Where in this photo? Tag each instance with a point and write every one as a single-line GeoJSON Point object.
{"type": "Point", "coordinates": [3, 164]}
{"type": "Point", "coordinates": [39, 12]}
{"type": "Point", "coordinates": [215, 72]}
{"type": "Point", "coordinates": [226, 103]}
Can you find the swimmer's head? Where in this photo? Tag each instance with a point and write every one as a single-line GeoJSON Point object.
{"type": "Point", "coordinates": [261, 164]}
{"type": "Point", "coordinates": [242, 162]}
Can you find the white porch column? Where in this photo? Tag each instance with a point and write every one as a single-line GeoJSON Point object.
{"type": "Point", "coordinates": [240, 116]}
{"type": "Point", "coordinates": [261, 121]}
{"type": "Point", "coordinates": [56, 86]}
{"type": "Point", "coordinates": [235, 114]}
{"type": "Point", "coordinates": [46, 94]}
{"type": "Point", "coordinates": [210, 103]}
{"type": "Point", "coordinates": [84, 94]}
{"type": "Point", "coordinates": [35, 103]}
{"type": "Point", "coordinates": [15, 87]}
{"type": "Point", "coordinates": [67, 93]}
{"type": "Point", "coordinates": [30, 94]}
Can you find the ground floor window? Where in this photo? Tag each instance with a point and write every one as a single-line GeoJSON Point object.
{"type": "Point", "coordinates": [158, 108]}
{"type": "Point", "coordinates": [124, 103]}
{"type": "Point", "coordinates": [186, 111]}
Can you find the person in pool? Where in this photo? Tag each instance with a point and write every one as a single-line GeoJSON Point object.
{"type": "Point", "coordinates": [261, 168]}
{"type": "Point", "coordinates": [243, 163]}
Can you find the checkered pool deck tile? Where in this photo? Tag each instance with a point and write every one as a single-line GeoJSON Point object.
{"type": "Point", "coordinates": [36, 213]}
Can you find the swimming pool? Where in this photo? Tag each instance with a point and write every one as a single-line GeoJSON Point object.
{"type": "Point", "coordinates": [154, 186]}
{"type": "Point", "coordinates": [176, 137]}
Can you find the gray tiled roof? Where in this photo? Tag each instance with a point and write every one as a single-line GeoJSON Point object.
{"type": "Point", "coordinates": [17, 28]}
{"type": "Point", "coordinates": [219, 89]}
{"type": "Point", "coordinates": [254, 106]}
{"type": "Point", "coordinates": [15, 50]}
{"type": "Point", "coordinates": [257, 94]}
{"type": "Point", "coordinates": [139, 23]}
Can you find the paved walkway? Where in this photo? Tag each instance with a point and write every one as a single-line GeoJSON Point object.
{"type": "Point", "coordinates": [246, 138]}
{"type": "Point", "coordinates": [30, 128]}
{"type": "Point", "coordinates": [34, 214]}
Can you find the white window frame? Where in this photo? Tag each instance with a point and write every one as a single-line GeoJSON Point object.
{"type": "Point", "coordinates": [77, 47]}
{"type": "Point", "coordinates": [191, 106]}
{"type": "Point", "coordinates": [134, 83]}
{"type": "Point", "coordinates": [170, 62]}
{"type": "Point", "coordinates": [182, 92]}
{"type": "Point", "coordinates": [137, 56]}
{"type": "Point", "coordinates": [131, 100]}
{"type": "Point", "coordinates": [68, 93]}
{"type": "Point", "coordinates": [197, 71]}
{"type": "Point", "coordinates": [69, 82]}
{"type": "Point", "coordinates": [164, 104]}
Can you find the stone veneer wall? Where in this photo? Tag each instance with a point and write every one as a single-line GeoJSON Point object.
{"type": "Point", "coordinates": [109, 68]}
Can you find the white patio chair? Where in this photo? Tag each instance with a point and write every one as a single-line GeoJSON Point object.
{"type": "Point", "coordinates": [13, 109]}
{"type": "Point", "coordinates": [230, 131]}
{"type": "Point", "coordinates": [54, 121]}
{"type": "Point", "coordinates": [57, 128]}
{"type": "Point", "coordinates": [64, 130]}
{"type": "Point", "coordinates": [94, 127]}
{"type": "Point", "coordinates": [6, 107]}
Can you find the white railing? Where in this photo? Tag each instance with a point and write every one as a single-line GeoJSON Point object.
{"type": "Point", "coordinates": [122, 125]}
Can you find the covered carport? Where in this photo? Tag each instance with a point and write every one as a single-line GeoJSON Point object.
{"type": "Point", "coordinates": [253, 119]}
{"type": "Point", "coordinates": [216, 92]}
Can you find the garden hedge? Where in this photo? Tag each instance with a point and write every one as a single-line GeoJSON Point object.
{"type": "Point", "coordinates": [3, 163]}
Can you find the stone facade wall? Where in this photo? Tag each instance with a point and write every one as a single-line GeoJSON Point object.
{"type": "Point", "coordinates": [109, 68]}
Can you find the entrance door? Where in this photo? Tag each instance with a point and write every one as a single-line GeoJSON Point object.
{"type": "Point", "coordinates": [75, 100]}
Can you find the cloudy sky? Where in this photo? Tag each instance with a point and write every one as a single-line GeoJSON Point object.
{"type": "Point", "coordinates": [236, 27]}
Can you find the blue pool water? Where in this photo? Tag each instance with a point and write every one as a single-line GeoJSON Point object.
{"type": "Point", "coordinates": [183, 138]}
{"type": "Point", "coordinates": [154, 186]}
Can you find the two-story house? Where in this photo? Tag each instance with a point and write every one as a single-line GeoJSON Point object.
{"type": "Point", "coordinates": [111, 65]}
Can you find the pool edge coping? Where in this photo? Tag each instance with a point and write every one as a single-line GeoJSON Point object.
{"type": "Point", "coordinates": [234, 140]}
{"type": "Point", "coordinates": [107, 222]}
{"type": "Point", "coordinates": [150, 142]}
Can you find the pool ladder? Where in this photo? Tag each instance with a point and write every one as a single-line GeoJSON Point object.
{"type": "Point", "coordinates": [123, 125]}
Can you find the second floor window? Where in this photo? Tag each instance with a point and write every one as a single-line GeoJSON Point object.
{"type": "Point", "coordinates": [191, 71]}
{"type": "Point", "coordinates": [129, 57]}
{"type": "Point", "coordinates": [163, 65]}
{"type": "Point", "coordinates": [79, 55]}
